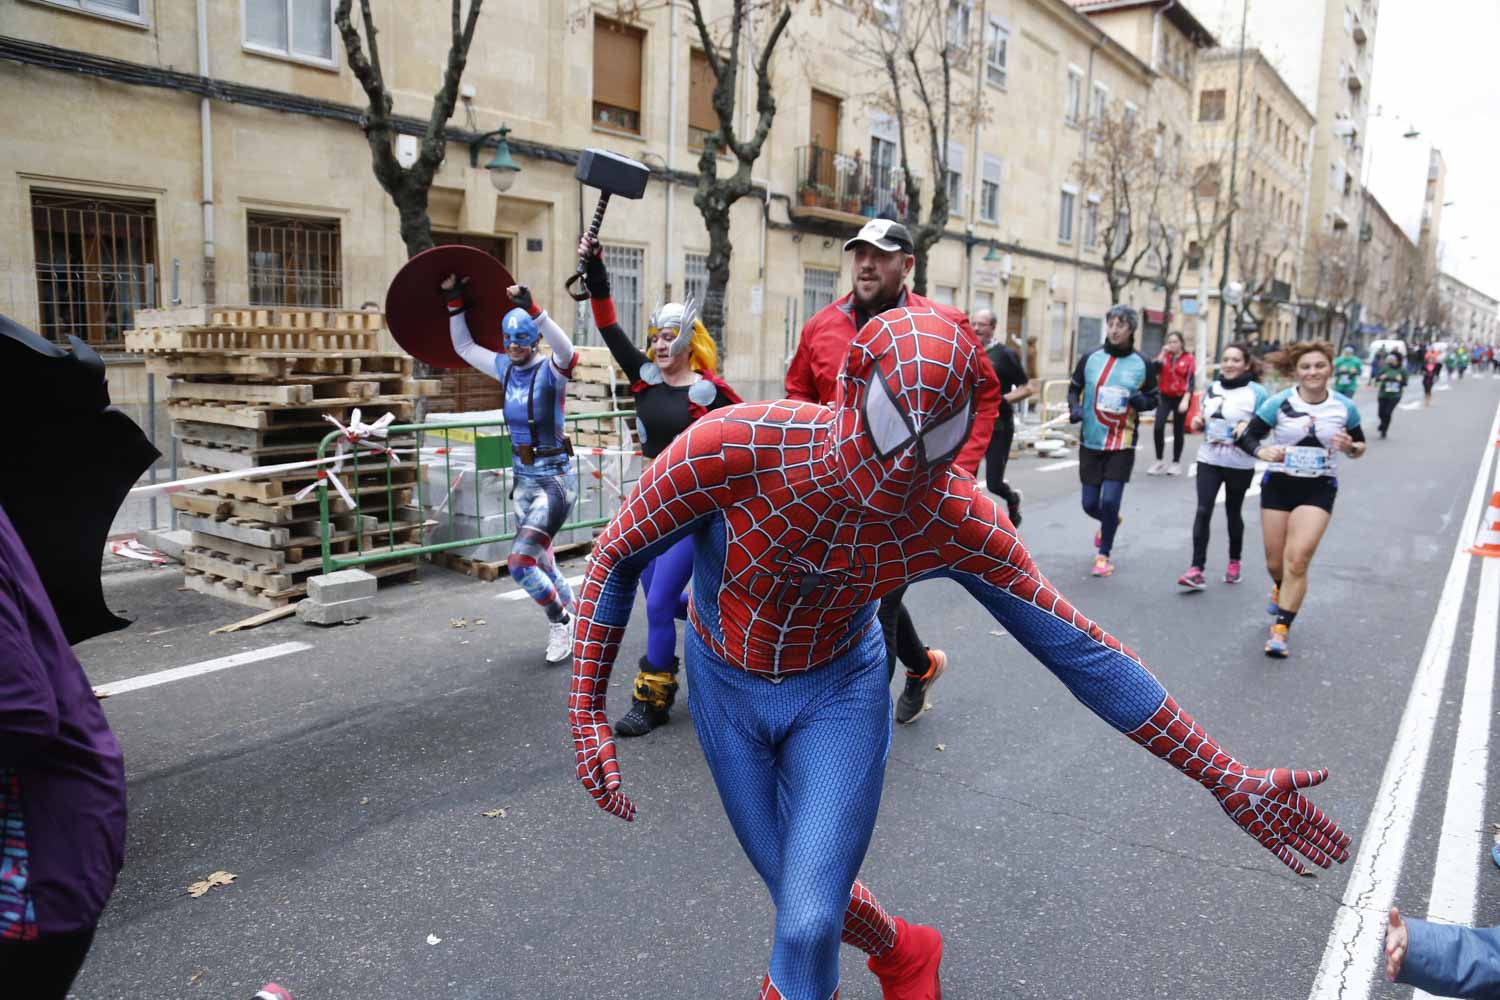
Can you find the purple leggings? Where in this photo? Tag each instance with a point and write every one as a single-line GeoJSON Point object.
{"type": "Point", "coordinates": [663, 580]}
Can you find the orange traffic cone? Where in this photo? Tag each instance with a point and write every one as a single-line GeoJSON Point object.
{"type": "Point", "coordinates": [1488, 541]}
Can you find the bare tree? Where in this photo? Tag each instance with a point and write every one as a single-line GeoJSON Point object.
{"type": "Point", "coordinates": [923, 49]}
{"type": "Point", "coordinates": [407, 186]}
{"type": "Point", "coordinates": [1136, 180]}
{"type": "Point", "coordinates": [1330, 265]}
{"type": "Point", "coordinates": [1261, 244]}
{"type": "Point", "coordinates": [1185, 245]}
{"type": "Point", "coordinates": [716, 195]}
{"type": "Point", "coordinates": [727, 42]}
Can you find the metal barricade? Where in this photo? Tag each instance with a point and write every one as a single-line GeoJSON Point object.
{"type": "Point", "coordinates": [469, 463]}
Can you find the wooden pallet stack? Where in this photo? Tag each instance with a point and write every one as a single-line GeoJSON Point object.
{"type": "Point", "coordinates": [250, 387]}
{"type": "Point", "coordinates": [599, 386]}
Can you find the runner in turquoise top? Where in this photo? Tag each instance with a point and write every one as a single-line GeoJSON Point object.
{"type": "Point", "coordinates": [1346, 372]}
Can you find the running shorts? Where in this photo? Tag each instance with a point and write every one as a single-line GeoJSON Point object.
{"type": "Point", "coordinates": [1096, 465]}
{"type": "Point", "coordinates": [1279, 491]}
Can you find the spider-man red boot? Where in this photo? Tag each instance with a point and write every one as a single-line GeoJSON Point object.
{"type": "Point", "coordinates": [651, 701]}
{"type": "Point", "coordinates": [768, 991]}
{"type": "Point", "coordinates": [909, 971]}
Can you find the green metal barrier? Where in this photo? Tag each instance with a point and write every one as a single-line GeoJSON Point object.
{"type": "Point", "coordinates": [404, 528]}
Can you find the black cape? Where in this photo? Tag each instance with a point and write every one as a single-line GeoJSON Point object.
{"type": "Point", "coordinates": [69, 459]}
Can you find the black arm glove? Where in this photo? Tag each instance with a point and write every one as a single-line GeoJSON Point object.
{"type": "Point", "coordinates": [596, 276]}
{"type": "Point", "coordinates": [522, 298]}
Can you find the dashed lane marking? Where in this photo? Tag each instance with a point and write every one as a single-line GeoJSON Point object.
{"type": "Point", "coordinates": [194, 669]}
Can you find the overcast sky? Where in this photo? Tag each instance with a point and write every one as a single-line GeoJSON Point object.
{"type": "Point", "coordinates": [1436, 71]}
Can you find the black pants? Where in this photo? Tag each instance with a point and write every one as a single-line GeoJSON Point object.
{"type": "Point", "coordinates": [1387, 406]}
{"type": "Point", "coordinates": [43, 969]}
{"type": "Point", "coordinates": [901, 639]}
{"type": "Point", "coordinates": [1235, 483]}
{"type": "Point", "coordinates": [1167, 410]}
{"type": "Point", "coordinates": [996, 457]}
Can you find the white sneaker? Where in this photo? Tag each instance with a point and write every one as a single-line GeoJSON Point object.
{"type": "Point", "coordinates": [1175, 469]}
{"type": "Point", "coordinates": [1157, 468]}
{"type": "Point", "coordinates": [560, 640]}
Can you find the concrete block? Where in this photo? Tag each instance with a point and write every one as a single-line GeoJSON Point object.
{"type": "Point", "coordinates": [336, 612]}
{"type": "Point", "coordinates": [345, 585]}
{"type": "Point", "coordinates": [168, 543]}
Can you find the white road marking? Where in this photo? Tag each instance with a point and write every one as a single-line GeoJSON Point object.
{"type": "Point", "coordinates": [1354, 943]}
{"type": "Point", "coordinates": [1054, 466]}
{"type": "Point", "coordinates": [1444, 388]}
{"type": "Point", "coordinates": [194, 669]}
{"type": "Point", "coordinates": [519, 594]}
{"type": "Point", "coordinates": [1417, 405]}
{"type": "Point", "coordinates": [1464, 842]}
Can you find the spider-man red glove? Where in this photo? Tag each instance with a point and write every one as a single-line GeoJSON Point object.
{"type": "Point", "coordinates": [1266, 803]}
{"type": "Point", "coordinates": [594, 648]}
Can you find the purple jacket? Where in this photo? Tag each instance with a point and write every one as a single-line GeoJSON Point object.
{"type": "Point", "coordinates": [59, 759]}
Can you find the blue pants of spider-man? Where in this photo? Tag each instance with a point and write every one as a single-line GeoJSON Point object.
{"type": "Point", "coordinates": [663, 580]}
{"type": "Point", "coordinates": [794, 770]}
{"type": "Point", "coordinates": [542, 504]}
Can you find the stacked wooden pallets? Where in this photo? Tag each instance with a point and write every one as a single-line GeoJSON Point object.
{"type": "Point", "coordinates": [599, 386]}
{"type": "Point", "coordinates": [250, 387]}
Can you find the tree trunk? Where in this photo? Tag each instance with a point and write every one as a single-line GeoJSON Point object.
{"type": "Point", "coordinates": [416, 227]}
{"type": "Point", "coordinates": [719, 250]}
{"type": "Point", "coordinates": [919, 272]}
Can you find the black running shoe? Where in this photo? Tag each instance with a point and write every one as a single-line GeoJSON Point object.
{"type": "Point", "coordinates": [913, 700]}
{"type": "Point", "coordinates": [1013, 507]}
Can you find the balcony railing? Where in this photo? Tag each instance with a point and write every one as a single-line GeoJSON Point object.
{"type": "Point", "coordinates": [843, 183]}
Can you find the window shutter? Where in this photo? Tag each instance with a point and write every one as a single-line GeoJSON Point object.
{"type": "Point", "coordinates": [617, 64]}
{"type": "Point", "coordinates": [701, 82]}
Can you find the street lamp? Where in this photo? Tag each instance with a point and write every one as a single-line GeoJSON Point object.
{"type": "Point", "coordinates": [502, 168]}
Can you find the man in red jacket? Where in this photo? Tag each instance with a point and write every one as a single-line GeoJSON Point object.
{"type": "Point", "coordinates": [882, 259]}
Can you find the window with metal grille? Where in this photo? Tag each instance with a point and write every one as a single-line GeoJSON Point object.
{"type": "Point", "coordinates": [95, 264]}
{"type": "Point", "coordinates": [820, 286]}
{"type": "Point", "coordinates": [695, 278]}
{"type": "Point", "coordinates": [294, 261]}
{"type": "Point", "coordinates": [627, 281]}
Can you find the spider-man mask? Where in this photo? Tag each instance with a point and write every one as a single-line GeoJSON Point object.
{"type": "Point", "coordinates": [904, 406]}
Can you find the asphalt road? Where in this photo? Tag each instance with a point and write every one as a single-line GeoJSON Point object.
{"type": "Point", "coordinates": [345, 784]}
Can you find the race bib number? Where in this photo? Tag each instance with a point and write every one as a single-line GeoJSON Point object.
{"type": "Point", "coordinates": [1306, 461]}
{"type": "Point", "coordinates": [1113, 399]}
{"type": "Point", "coordinates": [1218, 431]}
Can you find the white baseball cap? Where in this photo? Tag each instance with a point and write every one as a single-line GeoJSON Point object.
{"type": "Point", "coordinates": [883, 234]}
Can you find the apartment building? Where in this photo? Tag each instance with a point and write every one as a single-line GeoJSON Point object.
{"type": "Point", "coordinates": [1430, 231]}
{"type": "Point", "coordinates": [1392, 283]}
{"type": "Point", "coordinates": [1469, 314]}
{"type": "Point", "coordinates": [1324, 50]}
{"type": "Point", "coordinates": [1272, 181]}
{"type": "Point", "coordinates": [1165, 35]}
{"type": "Point", "coordinates": [227, 163]}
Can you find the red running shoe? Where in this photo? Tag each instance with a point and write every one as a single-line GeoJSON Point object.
{"type": "Point", "coordinates": [910, 970]}
{"type": "Point", "coordinates": [271, 991]}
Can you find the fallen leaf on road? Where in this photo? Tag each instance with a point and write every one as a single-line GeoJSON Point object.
{"type": "Point", "coordinates": [941, 747]}
{"type": "Point", "coordinates": [1308, 874]}
{"type": "Point", "coordinates": [996, 631]}
{"type": "Point", "coordinates": [433, 939]}
{"type": "Point", "coordinates": [202, 886]}
{"type": "Point", "coordinates": [193, 979]}
{"type": "Point", "coordinates": [457, 622]}
{"type": "Point", "coordinates": [479, 621]}
{"type": "Point", "coordinates": [364, 801]}
{"type": "Point", "coordinates": [494, 813]}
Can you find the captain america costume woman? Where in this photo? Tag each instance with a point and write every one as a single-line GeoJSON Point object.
{"type": "Point", "coordinates": [544, 486]}
{"type": "Point", "coordinates": [680, 385]}
{"type": "Point", "coordinates": [801, 517]}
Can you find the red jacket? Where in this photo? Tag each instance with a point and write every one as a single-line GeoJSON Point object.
{"type": "Point", "coordinates": [813, 375]}
{"type": "Point", "coordinates": [1176, 377]}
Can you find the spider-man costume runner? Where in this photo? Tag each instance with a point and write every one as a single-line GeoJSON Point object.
{"type": "Point", "coordinates": [802, 516]}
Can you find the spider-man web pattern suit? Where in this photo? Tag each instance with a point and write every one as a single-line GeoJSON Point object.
{"type": "Point", "coordinates": [802, 516]}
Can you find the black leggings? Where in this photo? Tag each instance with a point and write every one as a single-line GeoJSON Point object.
{"type": "Point", "coordinates": [1235, 483]}
{"type": "Point", "coordinates": [901, 639]}
{"type": "Point", "coordinates": [1167, 410]}
{"type": "Point", "coordinates": [44, 968]}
